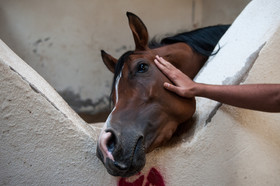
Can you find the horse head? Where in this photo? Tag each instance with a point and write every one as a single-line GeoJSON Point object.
{"type": "Point", "coordinates": [144, 115]}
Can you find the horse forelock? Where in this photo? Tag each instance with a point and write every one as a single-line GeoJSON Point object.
{"type": "Point", "coordinates": [118, 69]}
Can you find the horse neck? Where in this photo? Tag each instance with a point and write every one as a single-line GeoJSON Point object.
{"type": "Point", "coordinates": [183, 57]}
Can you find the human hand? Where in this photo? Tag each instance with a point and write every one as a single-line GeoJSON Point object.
{"type": "Point", "coordinates": [183, 85]}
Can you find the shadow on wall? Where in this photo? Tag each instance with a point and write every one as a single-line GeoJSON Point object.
{"type": "Point", "coordinates": [76, 102]}
{"type": "Point", "coordinates": [94, 118]}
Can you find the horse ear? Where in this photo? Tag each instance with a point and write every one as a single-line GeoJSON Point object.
{"type": "Point", "coordinates": [139, 31]}
{"type": "Point", "coordinates": [109, 61]}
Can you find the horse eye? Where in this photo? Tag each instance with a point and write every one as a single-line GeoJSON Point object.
{"type": "Point", "coordinates": [142, 67]}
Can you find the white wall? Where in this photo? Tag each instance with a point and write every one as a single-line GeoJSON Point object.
{"type": "Point", "coordinates": [62, 39]}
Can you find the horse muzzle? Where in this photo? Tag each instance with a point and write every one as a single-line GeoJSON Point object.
{"type": "Point", "coordinates": [122, 155]}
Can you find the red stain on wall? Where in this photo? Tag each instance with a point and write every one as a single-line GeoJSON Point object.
{"type": "Point", "coordinates": [154, 178]}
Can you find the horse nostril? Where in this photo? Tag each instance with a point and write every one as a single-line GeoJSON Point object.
{"type": "Point", "coordinates": [111, 143]}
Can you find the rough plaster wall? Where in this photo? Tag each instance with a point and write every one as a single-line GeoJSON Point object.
{"type": "Point", "coordinates": [62, 39]}
{"type": "Point", "coordinates": [42, 141]}
{"type": "Point", "coordinates": [246, 144]}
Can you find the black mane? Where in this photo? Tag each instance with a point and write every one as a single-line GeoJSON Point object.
{"type": "Point", "coordinates": [202, 41]}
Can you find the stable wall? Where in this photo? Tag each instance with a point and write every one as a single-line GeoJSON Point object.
{"type": "Point", "coordinates": [62, 39]}
{"type": "Point", "coordinates": [43, 142]}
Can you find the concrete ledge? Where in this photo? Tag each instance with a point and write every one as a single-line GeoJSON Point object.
{"type": "Point", "coordinates": [43, 142]}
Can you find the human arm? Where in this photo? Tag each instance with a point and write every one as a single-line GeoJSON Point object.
{"type": "Point", "coordinates": [262, 97]}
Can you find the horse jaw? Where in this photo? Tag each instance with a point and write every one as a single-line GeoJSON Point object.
{"type": "Point", "coordinates": [163, 136]}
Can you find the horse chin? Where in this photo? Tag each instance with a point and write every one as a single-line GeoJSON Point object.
{"type": "Point", "coordinates": [126, 167]}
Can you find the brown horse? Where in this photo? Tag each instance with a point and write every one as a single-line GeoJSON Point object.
{"type": "Point", "coordinates": [145, 115]}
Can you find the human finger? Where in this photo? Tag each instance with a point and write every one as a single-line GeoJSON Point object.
{"type": "Point", "coordinates": [162, 68]}
{"type": "Point", "coordinates": [170, 71]}
{"type": "Point", "coordinates": [173, 88]}
{"type": "Point", "coordinates": [167, 68]}
{"type": "Point", "coordinates": [165, 63]}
